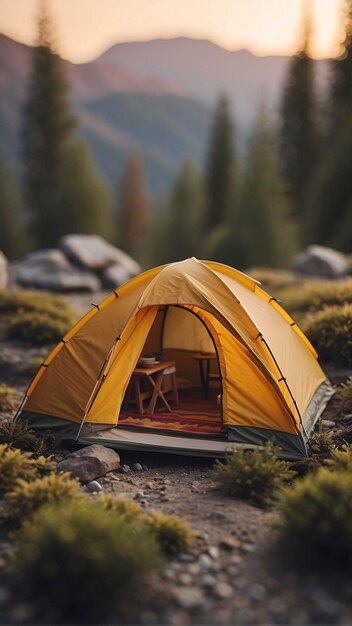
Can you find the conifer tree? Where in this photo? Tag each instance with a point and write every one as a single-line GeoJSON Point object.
{"type": "Point", "coordinates": [298, 127]}
{"type": "Point", "coordinates": [263, 227]}
{"type": "Point", "coordinates": [13, 240]}
{"type": "Point", "coordinates": [133, 207]}
{"type": "Point", "coordinates": [340, 104]}
{"type": "Point", "coordinates": [47, 130]}
{"type": "Point", "coordinates": [179, 233]}
{"type": "Point", "coordinates": [220, 167]}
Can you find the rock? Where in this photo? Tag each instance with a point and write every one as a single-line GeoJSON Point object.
{"type": "Point", "coordinates": [258, 592]}
{"type": "Point", "coordinates": [208, 581]}
{"type": "Point", "coordinates": [94, 486]}
{"type": "Point", "coordinates": [186, 557]}
{"type": "Point", "coordinates": [190, 598]}
{"type": "Point", "coordinates": [115, 276]}
{"type": "Point", "coordinates": [94, 253]}
{"type": "Point", "coordinates": [90, 463]}
{"type": "Point", "coordinates": [205, 562]}
{"type": "Point", "coordinates": [125, 469]}
{"type": "Point", "coordinates": [322, 262]}
{"type": "Point", "coordinates": [213, 552]}
{"type": "Point", "coordinates": [327, 424]}
{"type": "Point", "coordinates": [185, 579]}
{"type": "Point", "coordinates": [223, 591]}
{"type": "Point", "coordinates": [4, 275]}
{"type": "Point", "coordinates": [230, 543]}
{"type": "Point", "coordinates": [50, 269]}
{"type": "Point", "coordinates": [137, 467]}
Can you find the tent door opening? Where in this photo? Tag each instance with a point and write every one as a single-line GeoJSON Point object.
{"type": "Point", "coordinates": [181, 393]}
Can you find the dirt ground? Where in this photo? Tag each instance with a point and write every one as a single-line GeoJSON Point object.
{"type": "Point", "coordinates": [232, 575]}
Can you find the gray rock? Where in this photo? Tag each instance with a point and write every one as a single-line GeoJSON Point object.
{"type": "Point", "coordinates": [125, 469]}
{"type": "Point", "coordinates": [115, 275]}
{"type": "Point", "coordinates": [258, 592]}
{"type": "Point", "coordinates": [209, 581]}
{"type": "Point", "coordinates": [4, 275]}
{"type": "Point", "coordinates": [205, 562]}
{"type": "Point", "coordinates": [213, 552]}
{"type": "Point", "coordinates": [190, 598]}
{"type": "Point", "coordinates": [90, 463]}
{"type": "Point", "coordinates": [94, 253]}
{"type": "Point", "coordinates": [137, 467]}
{"type": "Point", "coordinates": [322, 262]}
{"type": "Point", "coordinates": [223, 591]}
{"type": "Point", "coordinates": [94, 486]}
{"type": "Point", "coordinates": [50, 269]}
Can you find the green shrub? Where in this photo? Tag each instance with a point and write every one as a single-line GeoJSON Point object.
{"type": "Point", "coordinates": [14, 302]}
{"type": "Point", "coordinates": [341, 460]}
{"type": "Point", "coordinates": [316, 526]}
{"type": "Point", "coordinates": [16, 465]}
{"type": "Point", "coordinates": [122, 506]}
{"type": "Point", "coordinates": [79, 564]}
{"type": "Point", "coordinates": [344, 396]}
{"type": "Point", "coordinates": [313, 296]}
{"type": "Point", "coordinates": [37, 327]}
{"type": "Point", "coordinates": [330, 331]}
{"type": "Point", "coordinates": [8, 398]}
{"type": "Point", "coordinates": [321, 442]}
{"type": "Point", "coordinates": [172, 533]}
{"type": "Point", "coordinates": [253, 475]}
{"type": "Point", "coordinates": [27, 497]}
{"type": "Point", "coordinates": [18, 434]}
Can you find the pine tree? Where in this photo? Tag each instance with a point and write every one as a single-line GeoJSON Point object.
{"type": "Point", "coordinates": [340, 104]}
{"type": "Point", "coordinates": [220, 167]}
{"type": "Point", "coordinates": [133, 207]}
{"type": "Point", "coordinates": [47, 130]}
{"type": "Point", "coordinates": [298, 132]}
{"type": "Point", "coordinates": [83, 196]}
{"type": "Point", "coordinates": [180, 228]}
{"type": "Point", "coordinates": [263, 225]}
{"type": "Point", "coordinates": [13, 240]}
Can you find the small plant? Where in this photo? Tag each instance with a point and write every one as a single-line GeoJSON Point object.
{"type": "Point", "coordinates": [16, 465]}
{"type": "Point", "coordinates": [321, 442]}
{"type": "Point", "coordinates": [121, 506]}
{"type": "Point", "coordinates": [314, 296]}
{"type": "Point", "coordinates": [253, 475]}
{"type": "Point", "coordinates": [27, 497]}
{"type": "Point", "coordinates": [330, 331]}
{"type": "Point", "coordinates": [81, 564]}
{"type": "Point", "coordinates": [14, 302]}
{"type": "Point", "coordinates": [341, 460]}
{"type": "Point", "coordinates": [316, 526]}
{"type": "Point", "coordinates": [8, 398]}
{"type": "Point", "coordinates": [18, 434]}
{"type": "Point", "coordinates": [172, 533]}
{"type": "Point", "coordinates": [37, 328]}
{"type": "Point", "coordinates": [344, 396]}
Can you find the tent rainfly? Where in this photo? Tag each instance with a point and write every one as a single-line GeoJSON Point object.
{"type": "Point", "coordinates": [271, 386]}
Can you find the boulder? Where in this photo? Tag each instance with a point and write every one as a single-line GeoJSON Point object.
{"type": "Point", "coordinates": [322, 262]}
{"type": "Point", "coordinates": [94, 253]}
{"type": "Point", "coordinates": [4, 276]}
{"type": "Point", "coordinates": [50, 269]}
{"type": "Point", "coordinates": [114, 276]}
{"type": "Point", "coordinates": [90, 463]}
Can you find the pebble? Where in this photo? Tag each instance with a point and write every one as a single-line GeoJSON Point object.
{"type": "Point", "coordinates": [258, 592]}
{"type": "Point", "coordinates": [205, 562]}
{"type": "Point", "coordinates": [194, 569]}
{"type": "Point", "coordinates": [230, 543]}
{"type": "Point", "coordinates": [186, 557]}
{"type": "Point", "coordinates": [137, 467]}
{"type": "Point", "coordinates": [327, 424]}
{"type": "Point", "coordinates": [213, 552]}
{"type": "Point", "coordinates": [248, 547]}
{"type": "Point", "coordinates": [150, 485]}
{"type": "Point", "coordinates": [94, 486]}
{"type": "Point", "coordinates": [125, 469]}
{"type": "Point", "coordinates": [208, 581]}
{"type": "Point", "coordinates": [223, 591]}
{"type": "Point", "coordinates": [167, 482]}
{"type": "Point", "coordinates": [185, 579]}
{"type": "Point", "coordinates": [139, 495]}
{"type": "Point", "coordinates": [233, 570]}
{"type": "Point", "coordinates": [190, 598]}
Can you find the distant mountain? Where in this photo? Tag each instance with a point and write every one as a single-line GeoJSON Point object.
{"type": "Point", "coordinates": [203, 69]}
{"type": "Point", "coordinates": [155, 97]}
{"type": "Point", "coordinates": [118, 113]}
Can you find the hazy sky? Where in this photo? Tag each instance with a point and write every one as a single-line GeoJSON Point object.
{"type": "Point", "coordinates": [85, 28]}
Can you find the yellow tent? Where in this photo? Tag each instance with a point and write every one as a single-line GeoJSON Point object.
{"type": "Point", "coordinates": [270, 383]}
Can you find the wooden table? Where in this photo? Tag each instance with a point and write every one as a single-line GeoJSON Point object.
{"type": "Point", "coordinates": [155, 385]}
{"type": "Point", "coordinates": [204, 359]}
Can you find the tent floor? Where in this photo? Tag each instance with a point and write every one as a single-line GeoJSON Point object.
{"type": "Point", "coordinates": [193, 416]}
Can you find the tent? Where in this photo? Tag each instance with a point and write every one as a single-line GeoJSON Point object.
{"type": "Point", "coordinates": [267, 383]}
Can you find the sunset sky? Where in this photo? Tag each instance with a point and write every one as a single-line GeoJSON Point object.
{"type": "Point", "coordinates": [85, 28]}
